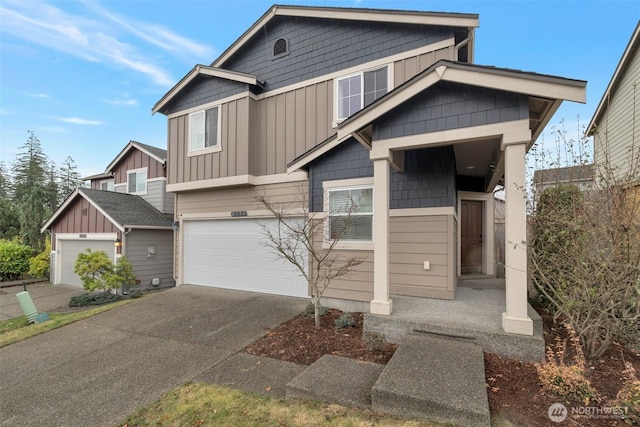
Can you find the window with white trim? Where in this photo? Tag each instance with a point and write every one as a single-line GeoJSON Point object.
{"type": "Point", "coordinates": [359, 90]}
{"type": "Point", "coordinates": [204, 129]}
{"type": "Point", "coordinates": [137, 181]}
{"type": "Point", "coordinates": [107, 185]}
{"type": "Point", "coordinates": [351, 214]}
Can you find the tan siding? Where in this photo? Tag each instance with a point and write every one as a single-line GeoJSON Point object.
{"type": "Point", "coordinates": [405, 69]}
{"type": "Point", "coordinates": [290, 125]}
{"type": "Point", "coordinates": [414, 240]}
{"type": "Point", "coordinates": [618, 131]}
{"type": "Point", "coordinates": [172, 148]}
{"type": "Point", "coordinates": [300, 122]}
{"type": "Point", "coordinates": [253, 130]}
{"type": "Point", "coordinates": [240, 163]}
{"type": "Point", "coordinates": [271, 136]}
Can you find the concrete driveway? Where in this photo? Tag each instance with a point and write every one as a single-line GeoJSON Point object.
{"type": "Point", "coordinates": [44, 296]}
{"type": "Point", "coordinates": [99, 370]}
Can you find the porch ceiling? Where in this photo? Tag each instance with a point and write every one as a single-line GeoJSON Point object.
{"type": "Point", "coordinates": [477, 158]}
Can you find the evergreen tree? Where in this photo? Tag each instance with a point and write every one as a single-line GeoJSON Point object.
{"type": "Point", "coordinates": [5, 182]}
{"type": "Point", "coordinates": [52, 188]}
{"type": "Point", "coordinates": [69, 178]}
{"type": "Point", "coordinates": [9, 215]}
{"type": "Point", "coordinates": [33, 213]}
{"type": "Point", "coordinates": [29, 169]}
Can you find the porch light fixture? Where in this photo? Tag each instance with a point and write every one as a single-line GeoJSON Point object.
{"type": "Point", "coordinates": [117, 243]}
{"type": "Point", "coordinates": [175, 225]}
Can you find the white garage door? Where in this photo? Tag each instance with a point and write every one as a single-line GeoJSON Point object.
{"type": "Point", "coordinates": [230, 254]}
{"type": "Point", "coordinates": [69, 250]}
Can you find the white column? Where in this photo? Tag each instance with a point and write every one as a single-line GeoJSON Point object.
{"type": "Point", "coordinates": [516, 320]}
{"type": "Point", "coordinates": [381, 303]}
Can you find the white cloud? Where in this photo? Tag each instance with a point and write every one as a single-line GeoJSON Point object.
{"type": "Point", "coordinates": [79, 121]}
{"type": "Point", "coordinates": [95, 39]}
{"type": "Point", "coordinates": [129, 102]}
{"type": "Point", "coordinates": [40, 95]}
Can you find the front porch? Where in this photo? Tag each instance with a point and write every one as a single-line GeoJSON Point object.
{"type": "Point", "coordinates": [475, 315]}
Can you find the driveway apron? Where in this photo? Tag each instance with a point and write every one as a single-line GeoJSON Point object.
{"type": "Point", "coordinates": [99, 370]}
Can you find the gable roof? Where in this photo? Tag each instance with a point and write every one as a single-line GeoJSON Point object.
{"type": "Point", "coordinates": [354, 14]}
{"type": "Point", "coordinates": [203, 70]}
{"type": "Point", "coordinates": [551, 90]}
{"type": "Point", "coordinates": [564, 174]}
{"type": "Point", "coordinates": [625, 61]}
{"type": "Point", "coordinates": [154, 152]}
{"type": "Point", "coordinates": [123, 210]}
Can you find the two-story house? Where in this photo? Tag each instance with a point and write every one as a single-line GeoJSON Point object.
{"type": "Point", "coordinates": [381, 106]}
{"type": "Point", "coordinates": [127, 211]}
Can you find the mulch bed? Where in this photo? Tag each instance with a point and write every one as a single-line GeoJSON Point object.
{"type": "Point", "coordinates": [512, 386]}
{"type": "Point", "coordinates": [299, 340]}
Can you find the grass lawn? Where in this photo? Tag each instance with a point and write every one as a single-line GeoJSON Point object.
{"type": "Point", "coordinates": [195, 404]}
{"type": "Point", "coordinates": [18, 328]}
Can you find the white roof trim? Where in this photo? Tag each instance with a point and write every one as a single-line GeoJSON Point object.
{"type": "Point", "coordinates": [371, 15]}
{"type": "Point", "coordinates": [626, 57]}
{"type": "Point", "coordinates": [68, 201]}
{"type": "Point", "coordinates": [125, 151]}
{"type": "Point", "coordinates": [205, 71]}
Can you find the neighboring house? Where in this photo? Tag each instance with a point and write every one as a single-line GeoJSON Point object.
{"type": "Point", "coordinates": [582, 176]}
{"type": "Point", "coordinates": [615, 125]}
{"type": "Point", "coordinates": [127, 211]}
{"type": "Point", "coordinates": [382, 106]}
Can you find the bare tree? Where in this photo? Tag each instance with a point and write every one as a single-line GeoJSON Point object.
{"type": "Point", "coordinates": [298, 238]}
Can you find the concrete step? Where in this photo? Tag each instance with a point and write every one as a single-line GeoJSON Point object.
{"type": "Point", "coordinates": [336, 379]}
{"type": "Point", "coordinates": [434, 378]}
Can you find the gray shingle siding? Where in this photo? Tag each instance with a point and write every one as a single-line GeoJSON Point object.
{"type": "Point", "coordinates": [322, 46]}
{"type": "Point", "coordinates": [429, 178]}
{"type": "Point", "coordinates": [348, 160]}
{"type": "Point", "coordinates": [204, 90]}
{"type": "Point", "coordinates": [451, 106]}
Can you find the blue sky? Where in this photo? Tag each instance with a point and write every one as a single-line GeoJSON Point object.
{"type": "Point", "coordinates": [84, 75]}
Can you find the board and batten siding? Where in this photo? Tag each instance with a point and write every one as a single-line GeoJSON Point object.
{"type": "Point", "coordinates": [136, 159]}
{"type": "Point", "coordinates": [206, 204]}
{"type": "Point", "coordinates": [261, 136]}
{"type": "Point", "coordinates": [148, 266]}
{"type": "Point", "coordinates": [618, 132]}
{"type": "Point", "coordinates": [81, 217]}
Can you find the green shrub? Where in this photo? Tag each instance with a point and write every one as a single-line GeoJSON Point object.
{"type": "Point", "coordinates": [40, 264]}
{"type": "Point", "coordinates": [344, 321]}
{"type": "Point", "coordinates": [136, 293]}
{"type": "Point", "coordinates": [94, 269]}
{"type": "Point", "coordinates": [100, 298]}
{"type": "Point", "coordinates": [122, 274]}
{"type": "Point", "coordinates": [14, 259]}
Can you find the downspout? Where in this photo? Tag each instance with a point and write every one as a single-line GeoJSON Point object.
{"type": "Point", "coordinates": [123, 248]}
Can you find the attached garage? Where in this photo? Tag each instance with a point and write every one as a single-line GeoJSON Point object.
{"type": "Point", "coordinates": [70, 249]}
{"type": "Point", "coordinates": [230, 253]}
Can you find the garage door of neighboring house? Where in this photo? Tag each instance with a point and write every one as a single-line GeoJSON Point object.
{"type": "Point", "coordinates": [231, 254]}
{"type": "Point", "coordinates": [68, 251]}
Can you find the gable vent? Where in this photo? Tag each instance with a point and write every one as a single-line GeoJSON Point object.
{"type": "Point", "coordinates": [280, 47]}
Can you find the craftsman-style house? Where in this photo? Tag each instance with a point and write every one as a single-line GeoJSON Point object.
{"type": "Point", "coordinates": [386, 107]}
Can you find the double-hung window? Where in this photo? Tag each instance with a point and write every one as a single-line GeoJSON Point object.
{"type": "Point", "coordinates": [107, 185]}
{"type": "Point", "coordinates": [351, 214]}
{"type": "Point", "coordinates": [359, 90]}
{"type": "Point", "coordinates": [204, 129]}
{"type": "Point", "coordinates": [137, 181]}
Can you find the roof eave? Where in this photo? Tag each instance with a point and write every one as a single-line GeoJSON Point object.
{"type": "Point", "coordinates": [372, 15]}
{"type": "Point", "coordinates": [205, 71]}
{"type": "Point", "coordinates": [626, 57]}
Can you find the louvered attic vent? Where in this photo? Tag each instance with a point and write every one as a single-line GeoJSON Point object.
{"type": "Point", "coordinates": [280, 47]}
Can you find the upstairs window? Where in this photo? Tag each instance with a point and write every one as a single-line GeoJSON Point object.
{"type": "Point", "coordinates": [204, 129]}
{"type": "Point", "coordinates": [107, 185]}
{"type": "Point", "coordinates": [280, 47]}
{"type": "Point", "coordinates": [351, 214]}
{"type": "Point", "coordinates": [359, 90]}
{"type": "Point", "coordinates": [137, 181]}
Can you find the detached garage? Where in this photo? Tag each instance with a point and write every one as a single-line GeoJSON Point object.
{"type": "Point", "coordinates": [231, 253]}
{"type": "Point", "coordinates": [118, 224]}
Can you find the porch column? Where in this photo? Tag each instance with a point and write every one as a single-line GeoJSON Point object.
{"type": "Point", "coordinates": [381, 303]}
{"type": "Point", "coordinates": [516, 320]}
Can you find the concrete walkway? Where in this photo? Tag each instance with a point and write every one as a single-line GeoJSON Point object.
{"type": "Point", "coordinates": [99, 370]}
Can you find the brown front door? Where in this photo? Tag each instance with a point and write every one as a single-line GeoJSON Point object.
{"type": "Point", "coordinates": [471, 237]}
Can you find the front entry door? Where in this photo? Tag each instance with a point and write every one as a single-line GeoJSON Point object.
{"type": "Point", "coordinates": [471, 238]}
